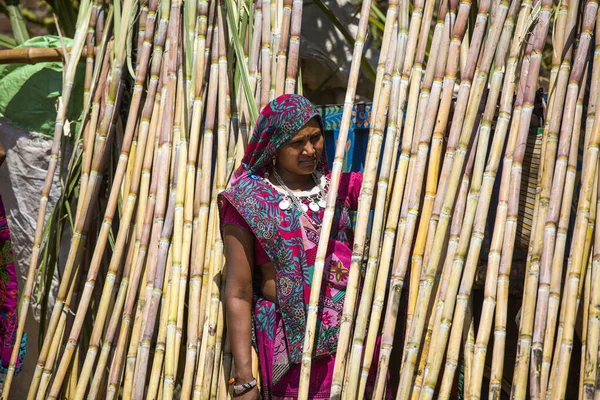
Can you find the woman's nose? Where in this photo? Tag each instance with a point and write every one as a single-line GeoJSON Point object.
{"type": "Point", "coordinates": [309, 149]}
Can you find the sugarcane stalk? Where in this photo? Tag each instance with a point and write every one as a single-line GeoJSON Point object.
{"type": "Point", "coordinates": [352, 289]}
{"type": "Point", "coordinates": [573, 277]}
{"type": "Point", "coordinates": [206, 213]}
{"type": "Point", "coordinates": [454, 163]}
{"type": "Point", "coordinates": [196, 271]}
{"type": "Point", "coordinates": [58, 340]}
{"type": "Point", "coordinates": [283, 47]}
{"type": "Point", "coordinates": [567, 136]}
{"type": "Point", "coordinates": [352, 379]}
{"type": "Point", "coordinates": [460, 243]}
{"type": "Point", "coordinates": [533, 56]}
{"type": "Point", "coordinates": [590, 356]}
{"type": "Point", "coordinates": [179, 186]}
{"type": "Point", "coordinates": [123, 230]}
{"type": "Point", "coordinates": [294, 46]}
{"type": "Point", "coordinates": [460, 221]}
{"type": "Point", "coordinates": [145, 213]}
{"type": "Point", "coordinates": [68, 80]}
{"type": "Point", "coordinates": [587, 249]}
{"type": "Point", "coordinates": [156, 271]}
{"type": "Point", "coordinates": [431, 86]}
{"type": "Point", "coordinates": [561, 235]}
{"type": "Point", "coordinates": [156, 383]}
{"type": "Point", "coordinates": [394, 199]}
{"type": "Point", "coordinates": [349, 302]}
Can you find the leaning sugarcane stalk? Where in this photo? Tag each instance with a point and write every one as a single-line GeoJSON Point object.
{"type": "Point", "coordinates": [67, 88]}
{"type": "Point", "coordinates": [179, 186]}
{"type": "Point", "coordinates": [351, 379]}
{"type": "Point", "coordinates": [567, 139]}
{"type": "Point", "coordinates": [145, 213]}
{"type": "Point", "coordinates": [431, 85]}
{"type": "Point", "coordinates": [462, 219]}
{"type": "Point", "coordinates": [545, 182]}
{"type": "Point", "coordinates": [446, 302]}
{"type": "Point", "coordinates": [196, 271]}
{"type": "Point", "coordinates": [156, 272]}
{"type": "Point", "coordinates": [525, 106]}
{"type": "Point", "coordinates": [394, 199]}
{"type": "Point", "coordinates": [123, 231]}
{"type": "Point", "coordinates": [571, 292]}
{"type": "Point", "coordinates": [590, 356]}
{"type": "Point", "coordinates": [156, 382]}
{"type": "Point", "coordinates": [452, 169]}
{"type": "Point", "coordinates": [294, 47]}
{"type": "Point", "coordinates": [561, 236]}
{"type": "Point", "coordinates": [414, 99]}
{"type": "Point", "coordinates": [587, 250]}
{"type": "Point", "coordinates": [311, 317]}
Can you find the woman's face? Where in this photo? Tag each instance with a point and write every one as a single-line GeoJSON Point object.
{"type": "Point", "coordinates": [302, 153]}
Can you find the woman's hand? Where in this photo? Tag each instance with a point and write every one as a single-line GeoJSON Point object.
{"type": "Point", "coordinates": [252, 394]}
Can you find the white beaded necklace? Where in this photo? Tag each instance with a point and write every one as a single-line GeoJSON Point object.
{"type": "Point", "coordinates": [290, 197]}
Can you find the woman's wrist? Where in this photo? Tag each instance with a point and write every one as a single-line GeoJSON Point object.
{"type": "Point", "coordinates": [243, 378]}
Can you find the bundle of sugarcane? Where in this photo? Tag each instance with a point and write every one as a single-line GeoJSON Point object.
{"type": "Point", "coordinates": [446, 243]}
{"type": "Point", "coordinates": [199, 65]}
{"type": "Point", "coordinates": [453, 99]}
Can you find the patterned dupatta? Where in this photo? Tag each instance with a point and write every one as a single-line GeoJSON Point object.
{"type": "Point", "coordinates": [279, 232]}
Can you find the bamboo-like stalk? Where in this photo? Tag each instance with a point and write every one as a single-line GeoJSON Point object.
{"type": "Point", "coordinates": [431, 85]}
{"type": "Point", "coordinates": [67, 88]}
{"type": "Point", "coordinates": [556, 196]}
{"type": "Point", "coordinates": [351, 380]}
{"type": "Point", "coordinates": [265, 53]}
{"type": "Point", "coordinates": [590, 355]}
{"type": "Point", "coordinates": [349, 302]}
{"type": "Point", "coordinates": [499, 33]}
{"type": "Point", "coordinates": [156, 383]}
{"type": "Point", "coordinates": [163, 224]}
{"type": "Point", "coordinates": [311, 317]}
{"type": "Point", "coordinates": [206, 214]}
{"type": "Point", "coordinates": [454, 163]}
{"type": "Point", "coordinates": [573, 278]}
{"type": "Point", "coordinates": [196, 270]}
{"type": "Point", "coordinates": [294, 46]}
{"type": "Point", "coordinates": [525, 107]}
{"type": "Point", "coordinates": [561, 235]}
{"type": "Point", "coordinates": [145, 213]}
{"type": "Point", "coordinates": [57, 342]}
{"type": "Point", "coordinates": [123, 230]}
{"type": "Point", "coordinates": [179, 186]}
{"type": "Point", "coordinates": [471, 177]}
{"type": "Point", "coordinates": [394, 199]}
{"type": "Point", "coordinates": [283, 47]}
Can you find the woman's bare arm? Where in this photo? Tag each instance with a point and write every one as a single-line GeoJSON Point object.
{"type": "Point", "coordinates": [239, 252]}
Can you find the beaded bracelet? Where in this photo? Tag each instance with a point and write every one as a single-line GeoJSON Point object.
{"type": "Point", "coordinates": [243, 387]}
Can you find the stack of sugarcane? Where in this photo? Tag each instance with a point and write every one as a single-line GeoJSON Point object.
{"type": "Point", "coordinates": [150, 275]}
{"type": "Point", "coordinates": [453, 100]}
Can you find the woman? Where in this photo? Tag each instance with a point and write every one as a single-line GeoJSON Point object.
{"type": "Point", "coordinates": [8, 294]}
{"type": "Point", "coordinates": [271, 218]}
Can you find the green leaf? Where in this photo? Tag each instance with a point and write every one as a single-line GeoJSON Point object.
{"type": "Point", "coordinates": [29, 92]}
{"type": "Point", "coordinates": [239, 53]}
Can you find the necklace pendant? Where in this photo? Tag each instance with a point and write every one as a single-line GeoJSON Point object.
{"type": "Point", "coordinates": [284, 204]}
{"type": "Point", "coordinates": [313, 206]}
{"type": "Point", "coordinates": [304, 207]}
{"type": "Point", "coordinates": [322, 203]}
